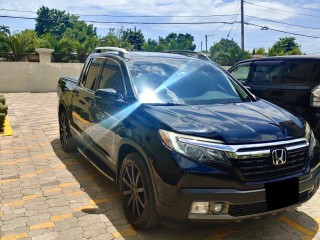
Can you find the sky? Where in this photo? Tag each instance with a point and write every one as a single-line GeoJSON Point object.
{"type": "Point", "coordinates": [301, 17]}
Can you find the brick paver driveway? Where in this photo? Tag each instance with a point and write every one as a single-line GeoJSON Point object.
{"type": "Point", "coordinates": [46, 193]}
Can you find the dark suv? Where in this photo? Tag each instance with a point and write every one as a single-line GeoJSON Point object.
{"type": "Point", "coordinates": [291, 82]}
{"type": "Point", "coordinates": [184, 140]}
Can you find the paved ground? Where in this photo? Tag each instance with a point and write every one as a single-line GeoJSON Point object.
{"type": "Point", "coordinates": [46, 193]}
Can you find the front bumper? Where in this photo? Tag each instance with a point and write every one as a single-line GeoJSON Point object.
{"type": "Point", "coordinates": [241, 204]}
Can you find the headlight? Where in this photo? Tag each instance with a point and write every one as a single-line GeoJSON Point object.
{"type": "Point", "coordinates": [310, 138]}
{"type": "Point", "coordinates": [180, 143]}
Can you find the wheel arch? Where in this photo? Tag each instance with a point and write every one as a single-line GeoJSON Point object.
{"type": "Point", "coordinates": [128, 146]}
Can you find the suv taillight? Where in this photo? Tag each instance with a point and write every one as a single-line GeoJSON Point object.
{"type": "Point", "coordinates": [315, 97]}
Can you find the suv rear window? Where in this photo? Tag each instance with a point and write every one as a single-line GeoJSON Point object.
{"type": "Point", "coordinates": [300, 71]}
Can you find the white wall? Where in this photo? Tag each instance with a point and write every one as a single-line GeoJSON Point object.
{"type": "Point", "coordinates": [34, 77]}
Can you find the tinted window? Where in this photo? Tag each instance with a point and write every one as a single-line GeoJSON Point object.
{"type": "Point", "coordinates": [89, 78]}
{"type": "Point", "coordinates": [266, 73]}
{"type": "Point", "coordinates": [241, 72]}
{"type": "Point", "coordinates": [184, 81]}
{"type": "Point", "coordinates": [112, 77]}
{"type": "Point", "coordinates": [300, 71]}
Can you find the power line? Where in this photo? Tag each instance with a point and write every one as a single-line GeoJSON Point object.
{"type": "Point", "coordinates": [129, 16]}
{"type": "Point", "coordinates": [123, 22]}
{"type": "Point", "coordinates": [277, 30]}
{"type": "Point", "coordinates": [309, 15]}
{"type": "Point", "coordinates": [290, 24]}
{"type": "Point", "coordinates": [234, 18]}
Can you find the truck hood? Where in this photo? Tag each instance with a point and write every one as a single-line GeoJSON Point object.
{"type": "Point", "coordinates": [239, 123]}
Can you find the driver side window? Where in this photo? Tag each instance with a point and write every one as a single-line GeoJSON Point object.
{"type": "Point", "coordinates": [241, 73]}
{"type": "Point", "coordinates": [111, 77]}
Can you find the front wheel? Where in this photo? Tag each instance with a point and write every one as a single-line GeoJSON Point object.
{"type": "Point", "coordinates": [68, 142]}
{"type": "Point", "coordinates": [137, 193]}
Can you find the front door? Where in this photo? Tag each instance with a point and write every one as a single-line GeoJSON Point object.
{"type": "Point", "coordinates": [265, 80]}
{"type": "Point", "coordinates": [108, 117]}
{"type": "Point", "coordinates": [83, 98]}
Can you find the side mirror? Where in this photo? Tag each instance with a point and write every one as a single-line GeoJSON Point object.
{"type": "Point", "coordinates": [106, 96]}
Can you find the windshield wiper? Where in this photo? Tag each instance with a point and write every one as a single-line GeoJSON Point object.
{"type": "Point", "coordinates": [167, 104]}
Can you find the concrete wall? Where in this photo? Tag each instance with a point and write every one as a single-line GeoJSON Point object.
{"type": "Point", "coordinates": [35, 77]}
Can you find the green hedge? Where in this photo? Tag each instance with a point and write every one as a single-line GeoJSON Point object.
{"type": "Point", "coordinates": [2, 99]}
{"type": "Point", "coordinates": [3, 111]}
{"type": "Point", "coordinates": [2, 118]}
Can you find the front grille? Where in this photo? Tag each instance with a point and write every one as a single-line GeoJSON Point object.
{"type": "Point", "coordinates": [247, 209]}
{"type": "Point", "coordinates": [258, 207]}
{"type": "Point", "coordinates": [263, 168]}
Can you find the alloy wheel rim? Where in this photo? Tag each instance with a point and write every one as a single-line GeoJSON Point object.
{"type": "Point", "coordinates": [63, 130]}
{"type": "Point", "coordinates": [133, 191]}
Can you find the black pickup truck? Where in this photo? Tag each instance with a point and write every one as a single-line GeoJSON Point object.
{"type": "Point", "coordinates": [184, 140]}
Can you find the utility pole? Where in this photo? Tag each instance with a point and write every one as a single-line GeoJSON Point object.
{"type": "Point", "coordinates": [201, 46]}
{"type": "Point", "coordinates": [242, 26]}
{"type": "Point", "coordinates": [206, 43]}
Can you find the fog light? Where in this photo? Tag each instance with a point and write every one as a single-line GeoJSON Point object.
{"type": "Point", "coordinates": [218, 208]}
{"type": "Point", "coordinates": [200, 207]}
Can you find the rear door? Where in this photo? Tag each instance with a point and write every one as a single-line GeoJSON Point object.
{"type": "Point", "coordinates": [300, 76]}
{"type": "Point", "coordinates": [265, 78]}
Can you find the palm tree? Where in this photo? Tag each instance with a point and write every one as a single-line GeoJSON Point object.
{"type": "Point", "coordinates": [5, 29]}
{"type": "Point", "coordinates": [19, 43]}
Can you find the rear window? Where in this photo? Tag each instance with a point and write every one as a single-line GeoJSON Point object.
{"type": "Point", "coordinates": [301, 71]}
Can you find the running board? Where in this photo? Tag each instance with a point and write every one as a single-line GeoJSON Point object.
{"type": "Point", "coordinates": [97, 163]}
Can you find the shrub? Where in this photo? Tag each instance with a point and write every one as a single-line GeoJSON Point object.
{"type": "Point", "coordinates": [2, 99]}
{"type": "Point", "coordinates": [3, 109]}
{"type": "Point", "coordinates": [2, 118]}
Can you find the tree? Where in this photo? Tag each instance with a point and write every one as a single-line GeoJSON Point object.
{"type": "Point", "coordinates": [80, 31]}
{"type": "Point", "coordinates": [261, 51]}
{"type": "Point", "coordinates": [5, 30]}
{"type": "Point", "coordinates": [178, 42]}
{"type": "Point", "coordinates": [20, 43]}
{"type": "Point", "coordinates": [150, 45]}
{"type": "Point", "coordinates": [285, 46]}
{"type": "Point", "coordinates": [227, 52]}
{"type": "Point", "coordinates": [134, 37]}
{"type": "Point", "coordinates": [114, 39]}
{"type": "Point", "coordinates": [53, 21]}
{"type": "Point", "coordinates": [171, 42]}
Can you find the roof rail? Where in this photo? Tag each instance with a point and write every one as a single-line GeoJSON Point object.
{"type": "Point", "coordinates": [121, 51]}
{"type": "Point", "coordinates": [189, 53]}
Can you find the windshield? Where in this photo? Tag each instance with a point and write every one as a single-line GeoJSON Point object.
{"type": "Point", "coordinates": [183, 81]}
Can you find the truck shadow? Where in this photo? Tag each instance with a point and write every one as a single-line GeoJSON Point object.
{"type": "Point", "coordinates": [103, 199]}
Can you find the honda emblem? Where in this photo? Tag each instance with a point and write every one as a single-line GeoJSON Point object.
{"type": "Point", "coordinates": [279, 157]}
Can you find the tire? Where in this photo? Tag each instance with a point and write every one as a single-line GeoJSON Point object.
{"type": "Point", "coordinates": [137, 193]}
{"type": "Point", "coordinates": [68, 142]}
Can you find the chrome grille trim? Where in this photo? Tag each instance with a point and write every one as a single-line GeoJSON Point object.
{"type": "Point", "coordinates": [256, 150]}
